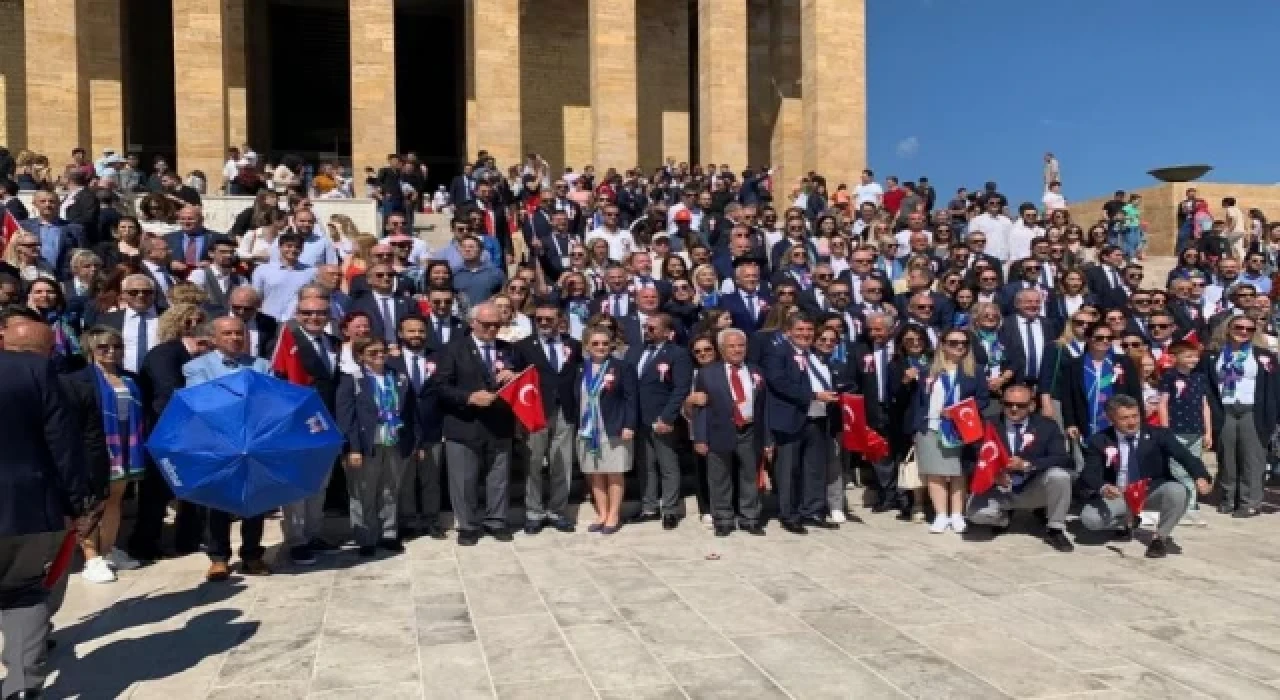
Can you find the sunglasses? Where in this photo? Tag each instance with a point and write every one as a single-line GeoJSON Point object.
{"type": "Point", "coordinates": [240, 309]}
{"type": "Point", "coordinates": [1018, 404]}
{"type": "Point", "coordinates": [956, 343]}
{"type": "Point", "coordinates": [381, 275]}
{"type": "Point", "coordinates": [545, 319]}
{"type": "Point", "coordinates": [1161, 326]}
{"type": "Point", "coordinates": [704, 351]}
{"type": "Point", "coordinates": [108, 346]}
{"type": "Point", "coordinates": [1132, 345]}
{"type": "Point", "coordinates": [312, 312]}
{"type": "Point", "coordinates": [138, 292]}
{"type": "Point", "coordinates": [1101, 339]}
{"type": "Point", "coordinates": [1243, 329]}
{"type": "Point", "coordinates": [870, 290]}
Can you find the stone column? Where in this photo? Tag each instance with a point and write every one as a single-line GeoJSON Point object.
{"type": "Point", "coordinates": [662, 45]}
{"type": "Point", "coordinates": [57, 93]}
{"type": "Point", "coordinates": [373, 82]}
{"type": "Point", "coordinates": [235, 61]}
{"type": "Point", "coordinates": [104, 73]}
{"type": "Point", "coordinates": [614, 96]}
{"type": "Point", "coordinates": [13, 77]}
{"type": "Point", "coordinates": [722, 82]}
{"type": "Point", "coordinates": [493, 99]}
{"type": "Point", "coordinates": [200, 88]}
{"type": "Point", "coordinates": [835, 88]}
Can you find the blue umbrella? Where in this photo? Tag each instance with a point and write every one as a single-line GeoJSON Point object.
{"type": "Point", "coordinates": [245, 443]}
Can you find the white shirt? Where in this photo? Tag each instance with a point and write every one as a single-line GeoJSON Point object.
{"type": "Point", "coordinates": [752, 304]}
{"type": "Point", "coordinates": [160, 275]}
{"type": "Point", "coordinates": [1018, 240]}
{"type": "Point", "coordinates": [199, 276]}
{"type": "Point", "coordinates": [748, 403]}
{"type": "Point", "coordinates": [1037, 333]}
{"type": "Point", "coordinates": [132, 360]}
{"type": "Point", "coordinates": [904, 241]}
{"type": "Point", "coordinates": [255, 337]}
{"type": "Point", "coordinates": [997, 230]}
{"type": "Point", "coordinates": [620, 242]}
{"type": "Point", "coordinates": [870, 192]}
{"type": "Point", "coordinates": [938, 399]}
{"type": "Point", "coordinates": [412, 359]}
{"type": "Point", "coordinates": [817, 409]}
{"type": "Point", "coordinates": [1073, 304]}
{"type": "Point", "coordinates": [1053, 200]}
{"type": "Point", "coordinates": [882, 368]}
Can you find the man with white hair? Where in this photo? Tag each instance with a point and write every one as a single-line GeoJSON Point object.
{"type": "Point", "coordinates": [732, 423]}
{"type": "Point", "coordinates": [138, 321]}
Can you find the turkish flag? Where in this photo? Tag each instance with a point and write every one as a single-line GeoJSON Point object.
{"type": "Point", "coordinates": [524, 395]}
{"type": "Point", "coordinates": [1193, 338]}
{"type": "Point", "coordinates": [967, 419]}
{"type": "Point", "coordinates": [10, 226]}
{"type": "Point", "coordinates": [1135, 496]}
{"type": "Point", "coordinates": [285, 361]}
{"type": "Point", "coordinates": [424, 308]}
{"type": "Point", "coordinates": [875, 447]}
{"type": "Point", "coordinates": [61, 561]}
{"type": "Point", "coordinates": [993, 458]}
{"type": "Point", "coordinates": [853, 436]}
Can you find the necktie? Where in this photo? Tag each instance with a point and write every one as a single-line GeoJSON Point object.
{"type": "Point", "coordinates": [1017, 436]}
{"type": "Point", "coordinates": [1130, 466]}
{"type": "Point", "coordinates": [617, 305]}
{"type": "Point", "coordinates": [323, 351]}
{"type": "Point", "coordinates": [438, 327]}
{"type": "Point", "coordinates": [415, 372]}
{"type": "Point", "coordinates": [488, 356]}
{"type": "Point", "coordinates": [645, 358]}
{"type": "Point", "coordinates": [1033, 353]}
{"type": "Point", "coordinates": [751, 303]}
{"type": "Point", "coordinates": [388, 321]}
{"type": "Point", "coordinates": [882, 373]}
{"type": "Point", "coordinates": [739, 395]}
{"type": "Point", "coordinates": [1115, 278]}
{"type": "Point", "coordinates": [553, 357]}
{"type": "Point", "coordinates": [192, 253]}
{"type": "Point", "coordinates": [142, 338]}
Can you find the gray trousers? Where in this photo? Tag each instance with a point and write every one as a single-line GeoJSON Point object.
{"type": "Point", "coordinates": [1073, 446]}
{"type": "Point", "coordinates": [660, 470]}
{"type": "Point", "coordinates": [721, 481]}
{"type": "Point", "coordinates": [466, 464]}
{"type": "Point", "coordinates": [1195, 445]}
{"type": "Point", "coordinates": [374, 490]}
{"type": "Point", "coordinates": [24, 608]}
{"type": "Point", "coordinates": [304, 520]}
{"type": "Point", "coordinates": [1169, 500]}
{"type": "Point", "coordinates": [1242, 458]}
{"type": "Point", "coordinates": [420, 487]}
{"type": "Point", "coordinates": [1050, 490]}
{"type": "Point", "coordinates": [555, 445]}
{"type": "Point", "coordinates": [835, 477]}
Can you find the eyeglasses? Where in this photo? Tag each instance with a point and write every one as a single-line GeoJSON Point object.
{"type": "Point", "coordinates": [374, 353]}
{"type": "Point", "coordinates": [956, 343]}
{"type": "Point", "coordinates": [977, 241]}
{"type": "Point", "coordinates": [862, 261]}
{"type": "Point", "coordinates": [312, 312]}
{"type": "Point", "coordinates": [383, 255]}
{"type": "Point", "coordinates": [104, 347]}
{"type": "Point", "coordinates": [1133, 275]}
{"type": "Point", "coordinates": [138, 292]}
{"type": "Point", "coordinates": [870, 290]}
{"type": "Point", "coordinates": [545, 319]}
{"type": "Point", "coordinates": [922, 307]}
{"type": "Point", "coordinates": [241, 309]}
{"type": "Point", "coordinates": [1243, 329]}
{"type": "Point", "coordinates": [1140, 302]}
{"type": "Point", "coordinates": [1161, 326]}
{"type": "Point", "coordinates": [441, 302]}
{"type": "Point", "coordinates": [578, 254]}
{"type": "Point", "coordinates": [1132, 345]}
{"type": "Point", "coordinates": [381, 275]}
{"type": "Point", "coordinates": [1101, 339]}
{"type": "Point", "coordinates": [1079, 322]}
{"type": "Point", "coordinates": [704, 350]}
{"type": "Point", "coordinates": [1018, 405]}
{"type": "Point", "coordinates": [517, 288]}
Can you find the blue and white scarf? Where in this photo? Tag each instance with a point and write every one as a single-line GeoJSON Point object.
{"type": "Point", "coordinates": [1232, 369]}
{"type": "Point", "coordinates": [387, 399]}
{"type": "Point", "coordinates": [592, 430]}
{"type": "Point", "coordinates": [1099, 387]}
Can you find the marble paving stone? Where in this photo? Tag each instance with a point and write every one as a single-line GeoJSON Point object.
{"type": "Point", "coordinates": [857, 633]}
{"type": "Point", "coordinates": [1218, 642]}
{"type": "Point", "coordinates": [261, 691]}
{"type": "Point", "coordinates": [393, 672]}
{"type": "Point", "coordinates": [614, 657]}
{"type": "Point", "coordinates": [636, 591]}
{"type": "Point", "coordinates": [456, 671]}
{"type": "Point", "coordinates": [763, 618]}
{"type": "Point", "coordinates": [924, 674]}
{"type": "Point", "coordinates": [578, 605]}
{"type": "Point", "coordinates": [726, 678]}
{"type": "Point", "coordinates": [798, 593]}
{"type": "Point", "coordinates": [382, 691]}
{"type": "Point", "coordinates": [735, 594]}
{"type": "Point", "coordinates": [283, 660]}
{"type": "Point", "coordinates": [525, 648]}
{"type": "Point", "coordinates": [560, 689]}
{"type": "Point", "coordinates": [648, 692]}
{"type": "Point", "coordinates": [502, 595]}
{"type": "Point", "coordinates": [806, 665]}
{"type": "Point", "coordinates": [673, 632]}
{"type": "Point", "coordinates": [1143, 682]}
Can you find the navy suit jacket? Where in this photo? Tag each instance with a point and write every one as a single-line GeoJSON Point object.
{"type": "Point", "coordinates": [458, 191]}
{"type": "Point", "coordinates": [1043, 446]}
{"type": "Point", "coordinates": [1014, 351]}
{"type": "Point", "coordinates": [73, 236]}
{"type": "Point", "coordinates": [426, 405]}
{"type": "Point", "coordinates": [400, 307]}
{"type": "Point", "coordinates": [1056, 307]}
{"type": "Point", "coordinates": [790, 392]}
{"type": "Point", "coordinates": [618, 403]}
{"type": "Point", "coordinates": [461, 371]}
{"type": "Point", "coordinates": [1009, 294]}
{"type": "Point", "coordinates": [1075, 407]}
{"type": "Point", "coordinates": [1100, 284]}
{"type": "Point", "coordinates": [556, 387]}
{"type": "Point", "coordinates": [1155, 447]}
{"type": "Point", "coordinates": [943, 307]}
{"type": "Point", "coordinates": [177, 247]}
{"type": "Point", "coordinates": [917, 418]}
{"type": "Point", "coordinates": [713, 423]}
{"type": "Point", "coordinates": [43, 476]}
{"type": "Point", "coordinates": [743, 319]}
{"type": "Point", "coordinates": [358, 413]}
{"type": "Point", "coordinates": [456, 328]}
{"type": "Point", "coordinates": [661, 394]}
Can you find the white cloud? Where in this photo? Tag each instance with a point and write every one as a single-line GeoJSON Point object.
{"type": "Point", "coordinates": [908, 147]}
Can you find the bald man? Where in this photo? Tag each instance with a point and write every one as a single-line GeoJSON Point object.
{"type": "Point", "coordinates": [190, 244]}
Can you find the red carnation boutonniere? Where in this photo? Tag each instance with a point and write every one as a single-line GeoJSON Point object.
{"type": "Point", "coordinates": [868, 364]}
{"type": "Point", "coordinates": [1113, 455]}
{"type": "Point", "coordinates": [1027, 439]}
{"type": "Point", "coordinates": [608, 380]}
{"type": "Point", "coordinates": [801, 363]}
{"type": "Point", "coordinates": [1180, 386]}
{"type": "Point", "coordinates": [431, 369]}
{"type": "Point", "coordinates": [499, 365]}
{"type": "Point", "coordinates": [764, 306]}
{"type": "Point", "coordinates": [1119, 371]}
{"type": "Point", "coordinates": [757, 379]}
{"type": "Point", "coordinates": [1265, 361]}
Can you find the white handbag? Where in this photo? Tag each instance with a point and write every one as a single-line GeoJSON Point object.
{"type": "Point", "coordinates": [909, 472]}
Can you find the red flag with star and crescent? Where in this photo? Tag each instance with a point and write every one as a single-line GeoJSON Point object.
{"type": "Point", "coordinates": [853, 435]}
{"type": "Point", "coordinates": [1135, 495]}
{"type": "Point", "coordinates": [993, 458]}
{"type": "Point", "coordinates": [10, 227]}
{"type": "Point", "coordinates": [524, 395]}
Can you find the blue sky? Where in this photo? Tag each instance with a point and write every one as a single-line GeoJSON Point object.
{"type": "Point", "coordinates": [967, 91]}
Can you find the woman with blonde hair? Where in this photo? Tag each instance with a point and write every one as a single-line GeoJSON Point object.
{"type": "Point", "coordinates": [178, 320]}
{"type": "Point", "coordinates": [950, 379]}
{"type": "Point", "coordinates": [188, 293]}
{"type": "Point", "coordinates": [343, 232]}
{"type": "Point", "coordinates": [358, 259]}
{"type": "Point", "coordinates": [120, 401]}
{"type": "Point", "coordinates": [606, 403]}
{"type": "Point", "coordinates": [23, 253]}
{"type": "Point", "coordinates": [706, 286]}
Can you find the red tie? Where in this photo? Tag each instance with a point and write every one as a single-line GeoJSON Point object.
{"type": "Point", "coordinates": [739, 396]}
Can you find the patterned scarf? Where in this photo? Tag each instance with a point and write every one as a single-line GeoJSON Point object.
{"type": "Point", "coordinates": [125, 448]}
{"type": "Point", "coordinates": [1232, 369]}
{"type": "Point", "coordinates": [387, 399]}
{"type": "Point", "coordinates": [578, 309]}
{"type": "Point", "coordinates": [1099, 386]}
{"type": "Point", "coordinates": [592, 431]}
{"type": "Point", "coordinates": [948, 435]}
{"type": "Point", "coordinates": [800, 274]}
{"type": "Point", "coordinates": [960, 320]}
{"type": "Point", "coordinates": [994, 348]}
{"type": "Point", "coordinates": [919, 362]}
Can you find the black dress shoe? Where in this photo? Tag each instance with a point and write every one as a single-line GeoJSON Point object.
{"type": "Point", "coordinates": [645, 517]}
{"type": "Point", "coordinates": [1059, 541]}
{"type": "Point", "coordinates": [670, 522]}
{"type": "Point", "coordinates": [820, 524]}
{"type": "Point", "coordinates": [368, 551]}
{"type": "Point", "coordinates": [319, 545]}
{"type": "Point", "coordinates": [794, 528]}
{"type": "Point", "coordinates": [1171, 546]}
{"type": "Point", "coordinates": [1225, 508]}
{"type": "Point", "coordinates": [532, 527]}
{"type": "Point", "coordinates": [757, 530]}
{"type": "Point", "coordinates": [435, 532]}
{"type": "Point", "coordinates": [1156, 550]}
{"type": "Point", "coordinates": [1245, 513]}
{"type": "Point", "coordinates": [33, 694]}
{"type": "Point", "coordinates": [997, 530]}
{"type": "Point", "coordinates": [1124, 534]}
{"type": "Point", "coordinates": [391, 545]}
{"type": "Point", "coordinates": [723, 530]}
{"type": "Point", "coordinates": [468, 538]}
{"type": "Point", "coordinates": [884, 507]}
{"type": "Point", "coordinates": [563, 524]}
{"type": "Point", "coordinates": [500, 534]}
{"type": "Point", "coordinates": [407, 532]}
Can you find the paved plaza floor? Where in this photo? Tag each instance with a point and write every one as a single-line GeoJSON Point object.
{"type": "Point", "coordinates": [877, 609]}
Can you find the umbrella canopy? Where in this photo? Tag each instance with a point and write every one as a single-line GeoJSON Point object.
{"type": "Point", "coordinates": [245, 443]}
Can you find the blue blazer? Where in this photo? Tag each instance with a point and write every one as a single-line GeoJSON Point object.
{"type": "Point", "coordinates": [73, 236]}
{"type": "Point", "coordinates": [789, 396]}
{"type": "Point", "coordinates": [1009, 293]}
{"type": "Point", "coordinates": [400, 307]}
{"type": "Point", "coordinates": [1056, 307]}
{"type": "Point", "coordinates": [358, 413]}
{"type": "Point", "coordinates": [917, 418]}
{"type": "Point", "coordinates": [761, 342]}
{"type": "Point", "coordinates": [1156, 446]}
{"type": "Point", "coordinates": [661, 394]}
{"type": "Point", "coordinates": [426, 405]}
{"type": "Point", "coordinates": [1043, 446]}
{"type": "Point", "coordinates": [178, 251]}
{"type": "Point", "coordinates": [713, 423]}
{"type": "Point", "coordinates": [617, 403]}
{"type": "Point", "coordinates": [743, 320]}
{"type": "Point", "coordinates": [1016, 355]}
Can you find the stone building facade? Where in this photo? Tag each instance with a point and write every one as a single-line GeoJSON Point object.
{"type": "Point", "coordinates": [614, 83]}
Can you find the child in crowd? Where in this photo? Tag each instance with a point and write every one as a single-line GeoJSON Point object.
{"type": "Point", "coordinates": [1184, 409]}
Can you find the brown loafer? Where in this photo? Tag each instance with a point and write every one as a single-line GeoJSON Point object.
{"type": "Point", "coordinates": [218, 571]}
{"type": "Point", "coordinates": [256, 567]}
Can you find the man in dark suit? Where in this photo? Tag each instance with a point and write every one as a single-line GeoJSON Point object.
{"type": "Point", "coordinates": [577, 223]}
{"type": "Point", "coordinates": [665, 374]}
{"type": "Point", "coordinates": [461, 189]}
{"type": "Point", "coordinates": [1125, 453]}
{"type": "Point", "coordinates": [138, 323]}
{"type": "Point", "coordinates": [640, 264]}
{"type": "Point", "coordinates": [615, 299]}
{"type": "Point", "coordinates": [478, 426]}
{"type": "Point", "coordinates": [733, 423]}
{"type": "Point", "coordinates": [58, 237]}
{"type": "Point", "coordinates": [43, 481]}
{"type": "Point", "coordinates": [385, 309]}
{"type": "Point", "coordinates": [1026, 276]}
{"type": "Point", "coordinates": [796, 411]}
{"type": "Point", "coordinates": [747, 304]}
{"type": "Point", "coordinates": [1038, 474]}
{"type": "Point", "coordinates": [317, 352]}
{"type": "Point", "coordinates": [442, 325]}
{"type": "Point", "coordinates": [557, 356]}
{"type": "Point", "coordinates": [419, 504]}
{"type": "Point", "coordinates": [941, 306]}
{"type": "Point", "coordinates": [81, 204]}
{"type": "Point", "coordinates": [192, 243]}
{"type": "Point", "coordinates": [493, 221]}
{"type": "Point", "coordinates": [1106, 279]}
{"type": "Point", "coordinates": [860, 270]}
{"type": "Point", "coordinates": [262, 329]}
{"type": "Point", "coordinates": [872, 361]}
{"type": "Point", "coordinates": [551, 242]}
{"type": "Point", "coordinates": [1025, 334]}
{"type": "Point", "coordinates": [158, 379]}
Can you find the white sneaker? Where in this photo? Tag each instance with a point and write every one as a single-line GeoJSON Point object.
{"type": "Point", "coordinates": [940, 525]}
{"type": "Point", "coordinates": [1150, 519]}
{"type": "Point", "coordinates": [120, 560]}
{"type": "Point", "coordinates": [708, 521]}
{"type": "Point", "coordinates": [957, 524]}
{"type": "Point", "coordinates": [1194, 519]}
{"type": "Point", "coordinates": [837, 516]}
{"type": "Point", "coordinates": [96, 570]}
